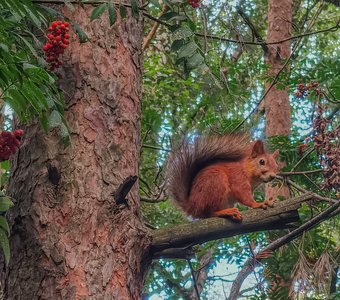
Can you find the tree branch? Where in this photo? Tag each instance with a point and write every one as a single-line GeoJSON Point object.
{"type": "Point", "coordinates": [301, 172]}
{"type": "Point", "coordinates": [153, 30]}
{"type": "Point", "coordinates": [212, 37]}
{"type": "Point", "coordinates": [276, 78]}
{"type": "Point", "coordinates": [205, 230]}
{"type": "Point", "coordinates": [253, 29]}
{"type": "Point", "coordinates": [251, 262]}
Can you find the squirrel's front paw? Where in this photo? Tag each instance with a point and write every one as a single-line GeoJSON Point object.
{"type": "Point", "coordinates": [260, 205]}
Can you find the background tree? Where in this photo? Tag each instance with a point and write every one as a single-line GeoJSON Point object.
{"type": "Point", "coordinates": [203, 72]}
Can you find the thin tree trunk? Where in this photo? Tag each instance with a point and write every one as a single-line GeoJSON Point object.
{"type": "Point", "coordinates": [278, 119]}
{"type": "Point", "coordinates": [277, 108]}
{"type": "Point", "coordinates": [69, 239]}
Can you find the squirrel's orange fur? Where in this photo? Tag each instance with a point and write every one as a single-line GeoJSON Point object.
{"type": "Point", "coordinates": [208, 177]}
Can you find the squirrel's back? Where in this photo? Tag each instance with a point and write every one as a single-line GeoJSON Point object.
{"type": "Point", "coordinates": [185, 162]}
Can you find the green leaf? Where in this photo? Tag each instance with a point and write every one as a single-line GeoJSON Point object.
{"type": "Point", "coordinates": [5, 245]}
{"type": "Point", "coordinates": [182, 33]}
{"type": "Point", "coordinates": [122, 11]}
{"type": "Point", "coordinates": [168, 15]}
{"type": "Point", "coordinates": [29, 46]}
{"type": "Point", "coordinates": [69, 4]}
{"type": "Point", "coordinates": [44, 122]}
{"type": "Point", "coordinates": [112, 13]}
{"type": "Point", "coordinates": [195, 60]}
{"type": "Point", "coordinates": [98, 11]}
{"type": "Point", "coordinates": [64, 131]}
{"type": "Point", "coordinates": [177, 44]}
{"type": "Point", "coordinates": [80, 32]}
{"type": "Point", "coordinates": [4, 165]}
{"type": "Point", "coordinates": [4, 224]}
{"type": "Point", "coordinates": [4, 47]}
{"type": "Point", "coordinates": [33, 17]}
{"type": "Point", "coordinates": [54, 119]}
{"type": "Point", "coordinates": [187, 50]}
{"type": "Point", "coordinates": [27, 66]}
{"type": "Point", "coordinates": [172, 16]}
{"type": "Point", "coordinates": [5, 203]}
{"type": "Point", "coordinates": [134, 9]}
{"type": "Point", "coordinates": [155, 3]}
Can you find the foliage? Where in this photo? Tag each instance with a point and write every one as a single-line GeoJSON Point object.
{"type": "Point", "coordinates": [195, 81]}
{"type": "Point", "coordinates": [25, 85]}
{"type": "Point", "coordinates": [5, 204]}
{"type": "Point", "coordinates": [229, 81]}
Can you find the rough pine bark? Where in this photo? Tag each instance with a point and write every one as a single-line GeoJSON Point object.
{"type": "Point", "coordinates": [277, 108]}
{"type": "Point", "coordinates": [69, 240]}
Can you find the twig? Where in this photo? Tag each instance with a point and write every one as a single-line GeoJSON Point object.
{"type": "Point", "coordinates": [250, 264]}
{"type": "Point", "coordinates": [308, 152]}
{"type": "Point", "coordinates": [253, 29]}
{"type": "Point", "coordinates": [153, 30]}
{"type": "Point", "coordinates": [171, 283]}
{"type": "Point", "coordinates": [150, 200]}
{"type": "Point", "coordinates": [149, 225]}
{"type": "Point", "coordinates": [301, 172]}
{"type": "Point", "coordinates": [194, 279]}
{"type": "Point", "coordinates": [156, 148]}
{"type": "Point", "coordinates": [301, 189]}
{"type": "Point", "coordinates": [205, 31]}
{"type": "Point", "coordinates": [90, 2]}
{"type": "Point", "coordinates": [275, 80]}
{"type": "Point", "coordinates": [219, 38]}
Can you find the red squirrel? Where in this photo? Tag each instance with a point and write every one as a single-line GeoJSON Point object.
{"type": "Point", "coordinates": [207, 178]}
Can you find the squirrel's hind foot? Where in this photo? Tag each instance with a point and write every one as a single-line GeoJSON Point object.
{"type": "Point", "coordinates": [232, 213]}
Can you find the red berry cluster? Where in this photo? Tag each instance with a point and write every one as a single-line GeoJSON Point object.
{"type": "Point", "coordinates": [304, 89]}
{"type": "Point", "coordinates": [58, 40]}
{"type": "Point", "coordinates": [9, 143]}
{"type": "Point", "coordinates": [195, 3]}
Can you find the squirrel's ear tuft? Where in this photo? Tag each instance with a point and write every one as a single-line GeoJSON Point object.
{"type": "Point", "coordinates": [276, 153]}
{"type": "Point", "coordinates": [258, 148]}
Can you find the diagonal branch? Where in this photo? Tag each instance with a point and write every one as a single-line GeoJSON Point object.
{"type": "Point", "coordinates": [251, 263]}
{"type": "Point", "coordinates": [281, 216]}
{"type": "Point", "coordinates": [153, 30]}
{"type": "Point", "coordinates": [253, 29]}
{"type": "Point", "coordinates": [276, 78]}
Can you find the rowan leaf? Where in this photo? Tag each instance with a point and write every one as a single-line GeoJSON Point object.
{"type": "Point", "coordinates": [187, 50]}
{"type": "Point", "coordinates": [134, 9]}
{"type": "Point", "coordinates": [5, 245]}
{"type": "Point", "coordinates": [112, 13]}
{"type": "Point", "coordinates": [4, 224]}
{"type": "Point", "coordinates": [98, 11]}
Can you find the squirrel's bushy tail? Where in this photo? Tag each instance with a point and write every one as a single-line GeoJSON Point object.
{"type": "Point", "coordinates": [187, 160]}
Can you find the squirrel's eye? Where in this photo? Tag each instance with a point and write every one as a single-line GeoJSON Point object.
{"type": "Point", "coordinates": [262, 162]}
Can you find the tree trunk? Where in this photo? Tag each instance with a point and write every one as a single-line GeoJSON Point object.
{"type": "Point", "coordinates": [69, 240]}
{"type": "Point", "coordinates": [278, 119]}
{"type": "Point", "coordinates": [277, 108]}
